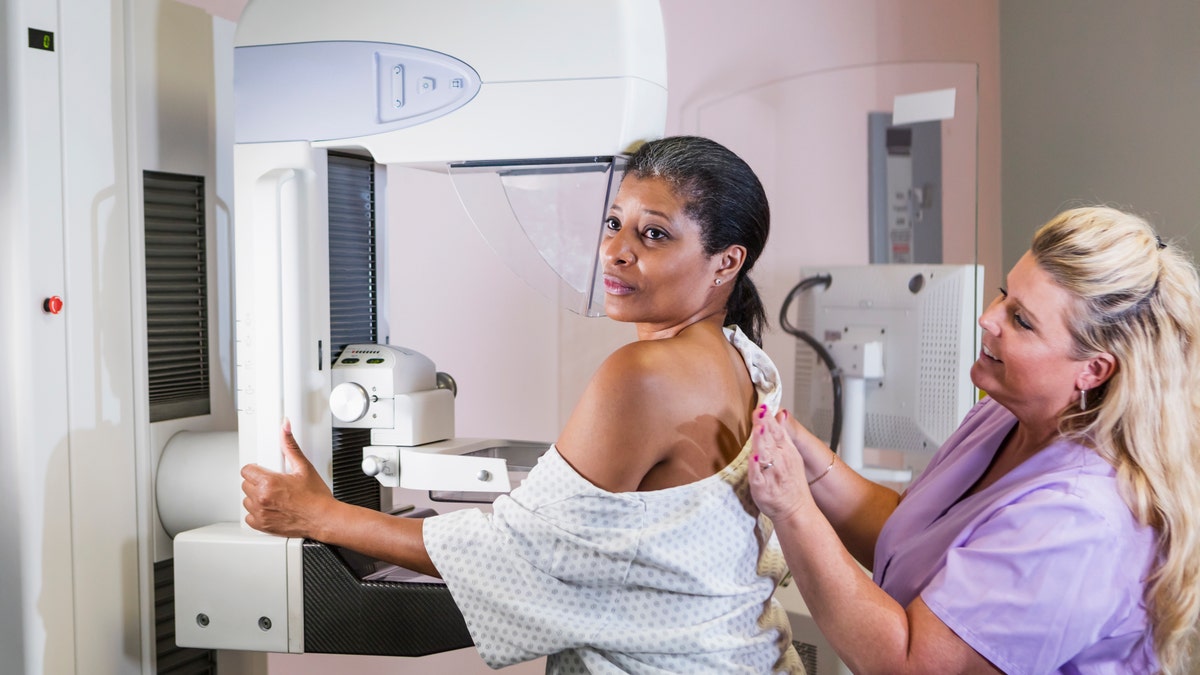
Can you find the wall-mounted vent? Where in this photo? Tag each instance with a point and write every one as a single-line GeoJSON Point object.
{"type": "Point", "coordinates": [353, 304]}
{"type": "Point", "coordinates": [176, 295]}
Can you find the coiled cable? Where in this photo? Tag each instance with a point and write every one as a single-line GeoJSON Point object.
{"type": "Point", "coordinates": [835, 373]}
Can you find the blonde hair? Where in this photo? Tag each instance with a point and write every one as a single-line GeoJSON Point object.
{"type": "Point", "coordinates": [1138, 298]}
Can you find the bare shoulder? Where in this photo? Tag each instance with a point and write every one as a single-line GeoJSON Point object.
{"type": "Point", "coordinates": [610, 438]}
{"type": "Point", "coordinates": [647, 368]}
{"type": "Point", "coordinates": [630, 417]}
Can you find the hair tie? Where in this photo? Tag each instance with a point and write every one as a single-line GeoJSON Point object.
{"type": "Point", "coordinates": [1161, 243]}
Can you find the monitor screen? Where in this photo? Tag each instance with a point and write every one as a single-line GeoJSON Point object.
{"type": "Point", "coordinates": [919, 322]}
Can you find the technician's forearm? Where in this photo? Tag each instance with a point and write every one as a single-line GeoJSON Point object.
{"type": "Point", "coordinates": [856, 507]}
{"type": "Point", "coordinates": [393, 539]}
{"type": "Point", "coordinates": [865, 626]}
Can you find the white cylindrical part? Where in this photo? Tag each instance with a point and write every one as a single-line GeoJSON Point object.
{"type": "Point", "coordinates": [854, 421]}
{"type": "Point", "coordinates": [199, 482]}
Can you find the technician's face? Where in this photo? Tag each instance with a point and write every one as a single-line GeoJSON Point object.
{"type": "Point", "coordinates": [1026, 362]}
{"type": "Point", "coordinates": [655, 269]}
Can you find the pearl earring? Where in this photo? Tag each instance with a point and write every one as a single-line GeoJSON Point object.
{"type": "Point", "coordinates": [718, 282]}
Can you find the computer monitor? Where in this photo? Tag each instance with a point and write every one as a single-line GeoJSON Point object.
{"type": "Point", "coordinates": [903, 338]}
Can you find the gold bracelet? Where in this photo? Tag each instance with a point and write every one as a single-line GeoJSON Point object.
{"type": "Point", "coordinates": [826, 471]}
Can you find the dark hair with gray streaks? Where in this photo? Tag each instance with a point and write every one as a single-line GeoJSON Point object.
{"type": "Point", "coordinates": [724, 196]}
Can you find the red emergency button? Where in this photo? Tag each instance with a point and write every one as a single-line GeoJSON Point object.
{"type": "Point", "coordinates": [52, 305]}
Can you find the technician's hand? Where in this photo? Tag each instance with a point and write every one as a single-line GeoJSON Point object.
{"type": "Point", "coordinates": [290, 504]}
{"type": "Point", "coordinates": [778, 482]}
{"type": "Point", "coordinates": [813, 450]}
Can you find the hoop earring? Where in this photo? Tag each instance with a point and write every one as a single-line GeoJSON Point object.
{"type": "Point", "coordinates": [1083, 399]}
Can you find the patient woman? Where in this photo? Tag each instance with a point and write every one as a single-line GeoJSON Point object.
{"type": "Point", "coordinates": [633, 545]}
{"type": "Point", "coordinates": [1058, 530]}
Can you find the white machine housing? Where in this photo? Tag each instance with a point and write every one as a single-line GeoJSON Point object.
{"type": "Point", "coordinates": [555, 79]}
{"type": "Point", "coordinates": [393, 391]}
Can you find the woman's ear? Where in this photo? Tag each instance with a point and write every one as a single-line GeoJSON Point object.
{"type": "Point", "coordinates": [730, 261]}
{"type": "Point", "coordinates": [1096, 372]}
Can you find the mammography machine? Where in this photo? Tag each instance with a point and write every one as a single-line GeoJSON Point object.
{"type": "Point", "coordinates": [512, 98]}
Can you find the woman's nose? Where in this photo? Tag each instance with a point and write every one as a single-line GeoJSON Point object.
{"type": "Point", "coordinates": [615, 248]}
{"type": "Point", "coordinates": [988, 321]}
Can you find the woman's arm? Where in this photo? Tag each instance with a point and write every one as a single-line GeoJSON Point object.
{"type": "Point", "coordinates": [869, 630]}
{"type": "Point", "coordinates": [298, 503]}
{"type": "Point", "coordinates": [856, 507]}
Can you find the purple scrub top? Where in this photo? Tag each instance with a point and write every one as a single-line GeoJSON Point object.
{"type": "Point", "coordinates": [1041, 572]}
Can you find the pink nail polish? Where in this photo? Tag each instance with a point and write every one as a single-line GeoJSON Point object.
{"type": "Point", "coordinates": [762, 414]}
{"type": "Point", "coordinates": [756, 458]}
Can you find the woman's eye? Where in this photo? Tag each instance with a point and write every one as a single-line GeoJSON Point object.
{"type": "Point", "coordinates": [654, 233]}
{"type": "Point", "coordinates": [1020, 320]}
{"type": "Point", "coordinates": [612, 224]}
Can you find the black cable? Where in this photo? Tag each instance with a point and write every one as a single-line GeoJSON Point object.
{"type": "Point", "coordinates": [835, 373]}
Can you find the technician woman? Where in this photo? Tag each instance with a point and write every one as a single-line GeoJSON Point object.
{"type": "Point", "coordinates": [1056, 530]}
{"type": "Point", "coordinates": [633, 545]}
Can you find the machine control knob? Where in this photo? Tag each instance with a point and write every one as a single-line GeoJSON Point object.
{"type": "Point", "coordinates": [373, 466]}
{"type": "Point", "coordinates": [349, 402]}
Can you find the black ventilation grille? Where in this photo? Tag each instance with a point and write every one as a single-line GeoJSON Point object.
{"type": "Point", "coordinates": [170, 659]}
{"type": "Point", "coordinates": [176, 296]}
{"type": "Point", "coordinates": [353, 278]}
{"type": "Point", "coordinates": [353, 305]}
{"type": "Point", "coordinates": [350, 484]}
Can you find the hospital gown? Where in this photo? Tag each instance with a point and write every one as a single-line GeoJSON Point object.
{"type": "Point", "coordinates": [678, 580]}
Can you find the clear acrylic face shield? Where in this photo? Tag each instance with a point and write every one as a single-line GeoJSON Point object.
{"type": "Point", "coordinates": [545, 218]}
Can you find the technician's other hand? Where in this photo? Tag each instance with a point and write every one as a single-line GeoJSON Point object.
{"type": "Point", "coordinates": [777, 478]}
{"type": "Point", "coordinates": [290, 504]}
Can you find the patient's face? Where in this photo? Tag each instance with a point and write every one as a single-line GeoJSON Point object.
{"type": "Point", "coordinates": [655, 268]}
